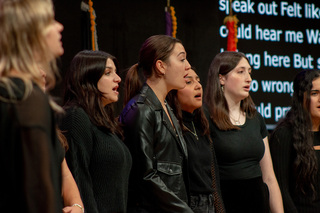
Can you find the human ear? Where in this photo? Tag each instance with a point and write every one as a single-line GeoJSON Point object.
{"type": "Point", "coordinates": [161, 67]}
{"type": "Point", "coordinates": [222, 79]}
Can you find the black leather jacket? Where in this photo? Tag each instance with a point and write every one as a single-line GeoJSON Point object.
{"type": "Point", "coordinates": [158, 175]}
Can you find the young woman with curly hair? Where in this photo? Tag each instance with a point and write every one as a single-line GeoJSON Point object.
{"type": "Point", "coordinates": [295, 145]}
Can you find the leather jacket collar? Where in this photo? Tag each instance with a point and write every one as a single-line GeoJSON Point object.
{"type": "Point", "coordinates": [175, 130]}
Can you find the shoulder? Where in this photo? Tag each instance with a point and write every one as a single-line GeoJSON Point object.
{"type": "Point", "coordinates": [76, 126]}
{"type": "Point", "coordinates": [283, 131]}
{"type": "Point", "coordinates": [281, 135]}
{"type": "Point", "coordinates": [258, 116]}
{"type": "Point", "coordinates": [33, 110]}
{"type": "Point", "coordinates": [12, 86]}
{"type": "Point", "coordinates": [76, 111]}
{"type": "Point", "coordinates": [281, 140]}
{"type": "Point", "coordinates": [75, 116]}
{"type": "Point", "coordinates": [35, 107]}
{"type": "Point", "coordinates": [257, 121]}
{"type": "Point", "coordinates": [142, 105]}
{"type": "Point", "coordinates": [136, 111]}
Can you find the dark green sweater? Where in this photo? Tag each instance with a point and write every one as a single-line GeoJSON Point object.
{"type": "Point", "coordinates": [99, 161]}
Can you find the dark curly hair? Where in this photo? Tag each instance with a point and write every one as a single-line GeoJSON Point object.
{"type": "Point", "coordinates": [299, 120]}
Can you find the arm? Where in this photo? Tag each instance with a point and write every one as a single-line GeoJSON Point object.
{"type": "Point", "coordinates": [276, 205]}
{"type": "Point", "coordinates": [38, 166]}
{"type": "Point", "coordinates": [37, 182]}
{"type": "Point", "coordinates": [70, 192]}
{"type": "Point", "coordinates": [140, 131]}
{"type": "Point", "coordinates": [281, 149]}
{"type": "Point", "coordinates": [77, 128]}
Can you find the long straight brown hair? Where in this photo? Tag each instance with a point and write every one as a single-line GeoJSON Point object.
{"type": "Point", "coordinates": [214, 97]}
{"type": "Point", "coordinates": [81, 88]}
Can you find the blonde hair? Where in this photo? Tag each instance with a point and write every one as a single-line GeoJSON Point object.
{"type": "Point", "coordinates": [23, 27]}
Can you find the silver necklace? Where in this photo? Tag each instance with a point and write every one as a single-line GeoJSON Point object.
{"type": "Point", "coordinates": [237, 122]}
{"type": "Point", "coordinates": [194, 129]}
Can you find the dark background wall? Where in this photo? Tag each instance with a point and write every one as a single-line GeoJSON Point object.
{"type": "Point", "coordinates": [123, 25]}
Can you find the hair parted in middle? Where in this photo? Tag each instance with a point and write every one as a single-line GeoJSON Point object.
{"type": "Point", "coordinates": [214, 98]}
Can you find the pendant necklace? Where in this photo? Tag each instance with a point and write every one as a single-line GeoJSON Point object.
{"type": "Point", "coordinates": [237, 122]}
{"type": "Point", "coordinates": [194, 129]}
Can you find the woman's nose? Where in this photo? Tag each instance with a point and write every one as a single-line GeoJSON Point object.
{"type": "Point", "coordinates": [198, 85]}
{"type": "Point", "coordinates": [117, 78]}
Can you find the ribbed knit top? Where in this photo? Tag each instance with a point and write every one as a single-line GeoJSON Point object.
{"type": "Point", "coordinates": [99, 161]}
{"type": "Point", "coordinates": [283, 156]}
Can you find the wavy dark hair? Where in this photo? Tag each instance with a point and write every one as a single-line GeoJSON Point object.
{"type": "Point", "coordinates": [299, 120]}
{"type": "Point", "coordinates": [199, 116]}
{"type": "Point", "coordinates": [214, 99]}
{"type": "Point", "coordinates": [81, 88]}
{"type": "Point", "coordinates": [157, 47]}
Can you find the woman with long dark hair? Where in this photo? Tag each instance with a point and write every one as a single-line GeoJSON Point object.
{"type": "Point", "coordinates": [239, 134]}
{"type": "Point", "coordinates": [97, 157]}
{"type": "Point", "coordinates": [152, 132]}
{"type": "Point", "coordinates": [295, 145]}
{"type": "Point", "coordinates": [203, 172]}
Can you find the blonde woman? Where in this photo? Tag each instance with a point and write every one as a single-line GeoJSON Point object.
{"type": "Point", "coordinates": [31, 154]}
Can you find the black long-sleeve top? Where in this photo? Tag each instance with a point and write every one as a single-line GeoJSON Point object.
{"type": "Point", "coordinates": [30, 153]}
{"type": "Point", "coordinates": [203, 167]}
{"type": "Point", "coordinates": [200, 157]}
{"type": "Point", "coordinates": [283, 156]}
{"type": "Point", "coordinates": [99, 161]}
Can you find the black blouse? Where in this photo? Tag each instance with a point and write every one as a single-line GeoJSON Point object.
{"type": "Point", "coordinates": [200, 157]}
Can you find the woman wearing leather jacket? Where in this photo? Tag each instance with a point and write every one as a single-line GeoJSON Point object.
{"type": "Point", "coordinates": [152, 133]}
